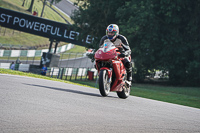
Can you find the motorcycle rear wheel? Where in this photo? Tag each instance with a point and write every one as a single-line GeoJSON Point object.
{"type": "Point", "coordinates": [104, 85]}
{"type": "Point", "coordinates": [125, 92]}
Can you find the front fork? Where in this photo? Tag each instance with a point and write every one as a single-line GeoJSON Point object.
{"type": "Point", "coordinates": [109, 73]}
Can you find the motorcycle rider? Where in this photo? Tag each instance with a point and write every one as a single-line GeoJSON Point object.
{"type": "Point", "coordinates": [120, 41]}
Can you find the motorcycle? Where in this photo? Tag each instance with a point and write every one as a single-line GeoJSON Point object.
{"type": "Point", "coordinates": [111, 70]}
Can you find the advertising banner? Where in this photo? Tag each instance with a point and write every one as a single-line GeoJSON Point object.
{"type": "Point", "coordinates": [42, 27]}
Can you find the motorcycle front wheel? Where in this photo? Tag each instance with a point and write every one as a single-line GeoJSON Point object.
{"type": "Point", "coordinates": [104, 85]}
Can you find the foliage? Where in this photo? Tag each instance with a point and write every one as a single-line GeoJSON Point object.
{"type": "Point", "coordinates": [94, 16]}
{"type": "Point", "coordinates": [163, 35]}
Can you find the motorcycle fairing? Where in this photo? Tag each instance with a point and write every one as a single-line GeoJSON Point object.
{"type": "Point", "coordinates": [120, 71]}
{"type": "Point", "coordinates": [105, 55]}
{"type": "Point", "coordinates": [108, 51]}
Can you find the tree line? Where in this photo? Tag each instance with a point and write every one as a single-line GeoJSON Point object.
{"type": "Point", "coordinates": [163, 34]}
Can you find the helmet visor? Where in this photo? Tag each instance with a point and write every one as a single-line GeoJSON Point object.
{"type": "Point", "coordinates": [111, 30]}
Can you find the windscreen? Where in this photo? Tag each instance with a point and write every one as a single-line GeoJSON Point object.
{"type": "Point", "coordinates": [107, 46]}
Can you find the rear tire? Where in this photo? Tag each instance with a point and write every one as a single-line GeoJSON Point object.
{"type": "Point", "coordinates": [125, 92]}
{"type": "Point", "coordinates": [104, 86]}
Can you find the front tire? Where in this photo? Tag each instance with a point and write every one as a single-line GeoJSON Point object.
{"type": "Point", "coordinates": [104, 85]}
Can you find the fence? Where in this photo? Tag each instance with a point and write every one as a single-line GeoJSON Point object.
{"type": "Point", "coordinates": [19, 67]}
{"type": "Point", "coordinates": [68, 73]}
{"type": "Point", "coordinates": [66, 60]}
{"type": "Point", "coordinates": [73, 73]}
{"type": "Point", "coordinates": [34, 56]}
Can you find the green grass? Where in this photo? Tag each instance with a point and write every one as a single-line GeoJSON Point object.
{"type": "Point", "coordinates": [188, 96]}
{"type": "Point", "coordinates": [16, 5]}
{"type": "Point", "coordinates": [75, 52]}
{"type": "Point", "coordinates": [77, 49]}
{"type": "Point", "coordinates": [21, 38]}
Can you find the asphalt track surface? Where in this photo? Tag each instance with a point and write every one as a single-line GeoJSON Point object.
{"type": "Point", "coordinates": [38, 105]}
{"type": "Point", "coordinates": [66, 6]}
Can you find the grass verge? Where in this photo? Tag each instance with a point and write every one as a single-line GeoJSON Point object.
{"type": "Point", "coordinates": [188, 96]}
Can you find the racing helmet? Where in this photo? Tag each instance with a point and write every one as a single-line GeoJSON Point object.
{"type": "Point", "coordinates": [112, 28]}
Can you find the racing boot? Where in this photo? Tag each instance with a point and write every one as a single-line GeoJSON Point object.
{"type": "Point", "coordinates": [129, 76]}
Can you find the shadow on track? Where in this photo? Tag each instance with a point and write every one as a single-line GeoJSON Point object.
{"type": "Point", "coordinates": [68, 90]}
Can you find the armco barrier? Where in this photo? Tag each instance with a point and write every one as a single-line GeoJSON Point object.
{"type": "Point", "coordinates": [5, 65]}
{"type": "Point", "coordinates": [72, 73]}
{"type": "Point", "coordinates": [19, 67]}
{"type": "Point", "coordinates": [61, 73]}
{"type": "Point", "coordinates": [33, 53]}
{"type": "Point", "coordinates": [24, 67]}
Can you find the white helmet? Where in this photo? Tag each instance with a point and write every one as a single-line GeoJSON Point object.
{"type": "Point", "coordinates": [112, 28]}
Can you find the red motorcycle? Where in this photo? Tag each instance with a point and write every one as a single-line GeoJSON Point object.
{"type": "Point", "coordinates": [112, 72]}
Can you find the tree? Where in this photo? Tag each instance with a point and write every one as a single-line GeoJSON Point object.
{"type": "Point", "coordinates": [23, 2]}
{"type": "Point", "coordinates": [31, 6]}
{"type": "Point", "coordinates": [44, 3]}
{"type": "Point", "coordinates": [94, 16]}
{"type": "Point", "coordinates": [164, 35]}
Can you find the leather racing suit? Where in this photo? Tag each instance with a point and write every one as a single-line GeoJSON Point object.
{"type": "Point", "coordinates": [125, 51]}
